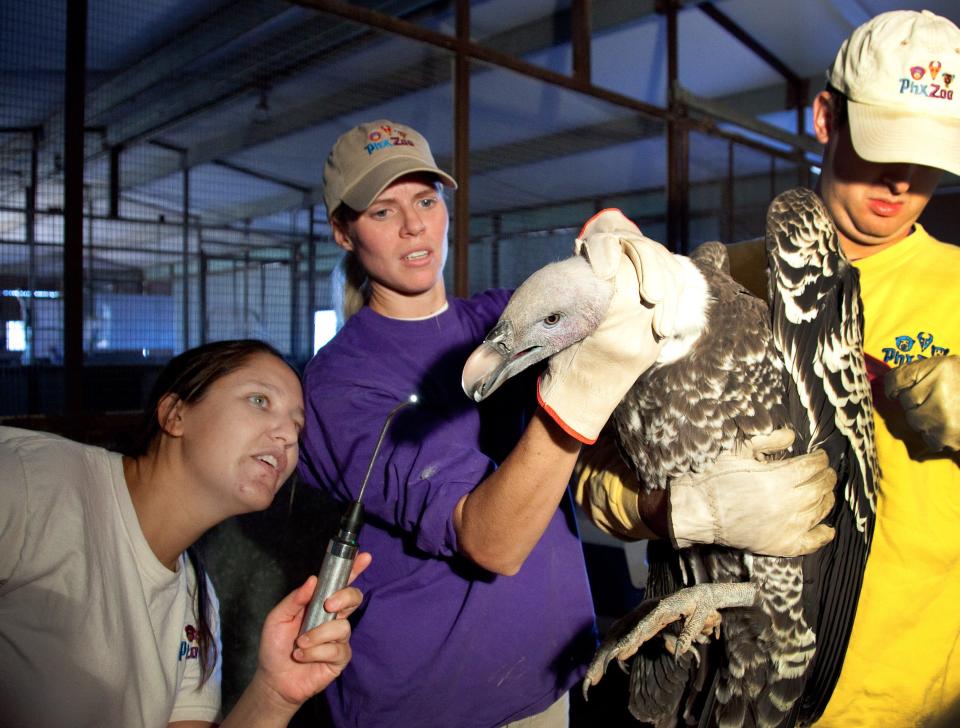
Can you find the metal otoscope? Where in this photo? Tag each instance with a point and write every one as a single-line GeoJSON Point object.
{"type": "Point", "coordinates": [342, 549]}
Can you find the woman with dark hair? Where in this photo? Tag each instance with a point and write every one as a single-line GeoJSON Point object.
{"type": "Point", "coordinates": [104, 619]}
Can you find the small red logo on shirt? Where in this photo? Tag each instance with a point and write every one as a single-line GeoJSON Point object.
{"type": "Point", "coordinates": [189, 647]}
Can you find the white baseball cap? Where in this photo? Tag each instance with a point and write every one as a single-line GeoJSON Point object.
{"type": "Point", "coordinates": [900, 72]}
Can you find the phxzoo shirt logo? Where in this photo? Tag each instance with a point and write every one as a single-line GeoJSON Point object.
{"type": "Point", "coordinates": [189, 647]}
{"type": "Point", "coordinates": [908, 348]}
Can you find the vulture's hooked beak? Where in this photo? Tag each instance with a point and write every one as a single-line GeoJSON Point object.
{"type": "Point", "coordinates": [494, 362]}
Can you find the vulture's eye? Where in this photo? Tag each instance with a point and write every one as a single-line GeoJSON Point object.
{"type": "Point", "coordinates": [552, 320]}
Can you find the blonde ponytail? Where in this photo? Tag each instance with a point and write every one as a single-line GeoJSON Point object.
{"type": "Point", "coordinates": [351, 286]}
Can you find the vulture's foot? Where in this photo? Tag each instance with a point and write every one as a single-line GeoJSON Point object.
{"type": "Point", "coordinates": [697, 605]}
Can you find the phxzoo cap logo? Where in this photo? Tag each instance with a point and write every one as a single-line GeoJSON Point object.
{"type": "Point", "coordinates": [367, 158]}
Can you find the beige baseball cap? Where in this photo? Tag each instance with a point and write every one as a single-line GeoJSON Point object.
{"type": "Point", "coordinates": [369, 157]}
{"type": "Point", "coordinates": [900, 72]}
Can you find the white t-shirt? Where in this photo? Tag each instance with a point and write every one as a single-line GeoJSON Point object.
{"type": "Point", "coordinates": [94, 630]}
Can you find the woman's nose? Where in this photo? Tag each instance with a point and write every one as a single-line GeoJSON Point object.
{"type": "Point", "coordinates": [286, 430]}
{"type": "Point", "coordinates": [412, 223]}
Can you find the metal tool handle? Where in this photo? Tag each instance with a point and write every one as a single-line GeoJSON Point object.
{"type": "Point", "coordinates": [333, 576]}
{"type": "Point", "coordinates": [342, 549]}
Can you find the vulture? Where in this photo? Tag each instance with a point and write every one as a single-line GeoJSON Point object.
{"type": "Point", "coordinates": [769, 650]}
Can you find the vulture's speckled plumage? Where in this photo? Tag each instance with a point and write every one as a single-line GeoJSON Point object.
{"type": "Point", "coordinates": [747, 369]}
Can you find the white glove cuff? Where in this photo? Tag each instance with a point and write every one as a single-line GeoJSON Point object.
{"type": "Point", "coordinates": [692, 513]}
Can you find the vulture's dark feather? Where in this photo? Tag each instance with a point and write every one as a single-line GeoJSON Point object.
{"type": "Point", "coordinates": [818, 328]}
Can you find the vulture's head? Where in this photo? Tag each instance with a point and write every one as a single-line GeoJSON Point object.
{"type": "Point", "coordinates": [553, 309]}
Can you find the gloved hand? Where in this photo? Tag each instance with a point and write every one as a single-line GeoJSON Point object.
{"type": "Point", "coordinates": [929, 392]}
{"type": "Point", "coordinates": [766, 507]}
{"type": "Point", "coordinates": [584, 383]}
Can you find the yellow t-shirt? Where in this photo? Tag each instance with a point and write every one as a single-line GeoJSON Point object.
{"type": "Point", "coordinates": [902, 666]}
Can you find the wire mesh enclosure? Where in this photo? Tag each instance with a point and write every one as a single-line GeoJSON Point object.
{"type": "Point", "coordinates": [161, 163]}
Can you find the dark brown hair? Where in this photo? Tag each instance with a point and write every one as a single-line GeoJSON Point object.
{"type": "Point", "coordinates": [839, 106]}
{"type": "Point", "coordinates": [188, 376]}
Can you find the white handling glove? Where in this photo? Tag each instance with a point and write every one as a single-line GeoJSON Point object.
{"type": "Point", "coordinates": [584, 383]}
{"type": "Point", "coordinates": [766, 507]}
{"type": "Point", "coordinates": [929, 392]}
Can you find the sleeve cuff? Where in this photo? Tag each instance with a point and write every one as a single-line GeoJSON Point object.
{"type": "Point", "coordinates": [691, 519]}
{"type": "Point", "coordinates": [608, 492]}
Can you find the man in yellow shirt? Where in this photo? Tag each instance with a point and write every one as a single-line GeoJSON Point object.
{"type": "Point", "coordinates": [889, 120]}
{"type": "Point", "coordinates": [881, 166]}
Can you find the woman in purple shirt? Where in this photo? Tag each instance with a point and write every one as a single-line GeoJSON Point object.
{"type": "Point", "coordinates": [477, 608]}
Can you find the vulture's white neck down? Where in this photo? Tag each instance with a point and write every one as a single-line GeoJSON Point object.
{"type": "Point", "coordinates": [691, 314]}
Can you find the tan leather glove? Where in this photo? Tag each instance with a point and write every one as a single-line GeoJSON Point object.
{"type": "Point", "coordinates": [929, 392]}
{"type": "Point", "coordinates": [584, 383]}
{"type": "Point", "coordinates": [770, 507]}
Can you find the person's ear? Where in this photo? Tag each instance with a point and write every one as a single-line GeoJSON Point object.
{"type": "Point", "coordinates": [170, 414]}
{"type": "Point", "coordinates": [341, 237]}
{"type": "Point", "coordinates": [824, 116]}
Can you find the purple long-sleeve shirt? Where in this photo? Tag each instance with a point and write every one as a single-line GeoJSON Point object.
{"type": "Point", "coordinates": [438, 641]}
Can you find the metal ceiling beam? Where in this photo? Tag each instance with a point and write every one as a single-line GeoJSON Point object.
{"type": "Point", "coordinates": [796, 85]}
{"type": "Point", "coordinates": [577, 140]}
{"type": "Point", "coordinates": [580, 22]}
{"type": "Point", "coordinates": [528, 38]}
{"type": "Point", "coordinates": [767, 99]}
{"type": "Point", "coordinates": [123, 105]}
{"type": "Point", "coordinates": [724, 111]}
{"type": "Point", "coordinates": [211, 34]}
{"type": "Point", "coordinates": [283, 53]}
{"type": "Point", "coordinates": [479, 53]}
{"type": "Point", "coordinates": [272, 179]}
{"type": "Point", "coordinates": [205, 88]}
{"type": "Point", "coordinates": [748, 41]}
{"type": "Point", "coordinates": [207, 36]}
{"type": "Point", "coordinates": [303, 117]}
{"type": "Point", "coordinates": [595, 136]}
{"type": "Point", "coordinates": [525, 39]}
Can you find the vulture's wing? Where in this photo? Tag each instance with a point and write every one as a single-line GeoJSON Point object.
{"type": "Point", "coordinates": [817, 325]}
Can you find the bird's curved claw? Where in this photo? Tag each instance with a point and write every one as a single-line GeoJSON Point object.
{"type": "Point", "coordinates": [698, 606]}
